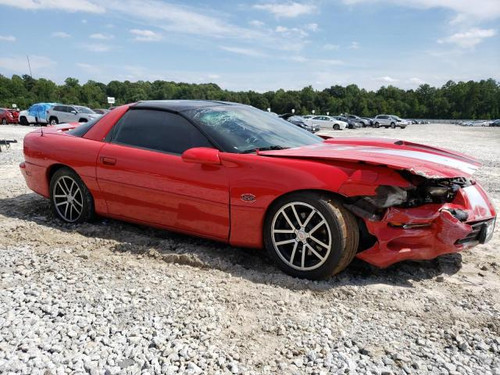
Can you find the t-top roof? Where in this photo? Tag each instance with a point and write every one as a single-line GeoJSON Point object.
{"type": "Point", "coordinates": [179, 105]}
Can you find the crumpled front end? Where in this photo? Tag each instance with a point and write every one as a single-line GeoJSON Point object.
{"type": "Point", "coordinates": [428, 230]}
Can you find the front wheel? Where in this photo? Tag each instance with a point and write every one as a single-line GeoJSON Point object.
{"type": "Point", "coordinates": [393, 125]}
{"type": "Point", "coordinates": [53, 121]}
{"type": "Point", "coordinates": [4, 121]}
{"type": "Point", "coordinates": [23, 121]}
{"type": "Point", "coordinates": [310, 235]}
{"type": "Point", "coordinates": [70, 199]}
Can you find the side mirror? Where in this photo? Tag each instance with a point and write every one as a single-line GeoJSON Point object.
{"type": "Point", "coordinates": [202, 155]}
{"type": "Point", "coordinates": [74, 112]}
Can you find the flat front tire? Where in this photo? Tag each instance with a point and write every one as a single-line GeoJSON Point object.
{"type": "Point", "coordinates": [310, 235]}
{"type": "Point", "coordinates": [70, 199]}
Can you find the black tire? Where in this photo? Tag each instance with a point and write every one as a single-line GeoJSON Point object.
{"type": "Point", "coordinates": [53, 121]}
{"type": "Point", "coordinates": [62, 181]}
{"type": "Point", "coordinates": [23, 121]}
{"type": "Point", "coordinates": [376, 125]}
{"type": "Point", "coordinates": [393, 125]}
{"type": "Point", "coordinates": [83, 120]}
{"type": "Point", "coordinates": [336, 127]}
{"type": "Point", "coordinates": [4, 121]}
{"type": "Point", "coordinates": [339, 232]}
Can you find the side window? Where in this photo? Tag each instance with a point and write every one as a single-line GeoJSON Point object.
{"type": "Point", "coordinates": [157, 130]}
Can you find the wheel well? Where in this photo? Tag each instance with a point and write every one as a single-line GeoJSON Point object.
{"type": "Point", "coordinates": [53, 169]}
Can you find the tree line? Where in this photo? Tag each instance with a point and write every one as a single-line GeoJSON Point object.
{"type": "Point", "coordinates": [454, 100]}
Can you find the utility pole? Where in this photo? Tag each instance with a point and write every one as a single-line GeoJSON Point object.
{"type": "Point", "coordinates": [29, 66]}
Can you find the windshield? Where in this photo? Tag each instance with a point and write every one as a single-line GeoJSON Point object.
{"type": "Point", "coordinates": [242, 129]}
{"type": "Point", "coordinates": [84, 110]}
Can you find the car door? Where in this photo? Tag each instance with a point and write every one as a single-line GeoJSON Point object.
{"type": "Point", "coordinates": [143, 177]}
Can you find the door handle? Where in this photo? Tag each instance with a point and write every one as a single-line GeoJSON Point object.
{"type": "Point", "coordinates": [108, 161]}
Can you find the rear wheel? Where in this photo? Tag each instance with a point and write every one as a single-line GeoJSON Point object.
{"type": "Point", "coordinates": [4, 121]}
{"type": "Point", "coordinates": [310, 235]}
{"type": "Point", "coordinates": [83, 120]}
{"type": "Point", "coordinates": [336, 127]}
{"type": "Point", "coordinates": [70, 199]}
{"type": "Point", "coordinates": [377, 125]}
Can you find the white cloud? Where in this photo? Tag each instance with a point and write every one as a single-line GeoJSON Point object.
{"type": "Point", "coordinates": [243, 51]}
{"type": "Point", "coordinates": [287, 10]}
{"type": "Point", "coordinates": [7, 38]}
{"type": "Point", "coordinates": [213, 76]}
{"type": "Point", "coordinates": [302, 59]}
{"type": "Point", "coordinates": [416, 81]}
{"type": "Point", "coordinates": [470, 38]}
{"type": "Point", "coordinates": [354, 45]}
{"type": "Point", "coordinates": [19, 64]}
{"type": "Point", "coordinates": [60, 34]}
{"type": "Point", "coordinates": [331, 47]}
{"type": "Point", "coordinates": [256, 23]}
{"type": "Point", "coordinates": [145, 35]}
{"type": "Point", "coordinates": [387, 79]}
{"type": "Point", "coordinates": [100, 36]}
{"type": "Point", "coordinates": [66, 5]}
{"type": "Point", "coordinates": [312, 27]}
{"type": "Point", "coordinates": [97, 47]}
{"type": "Point", "coordinates": [463, 9]}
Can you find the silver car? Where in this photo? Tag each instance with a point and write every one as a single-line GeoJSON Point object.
{"type": "Point", "coordinates": [70, 113]}
{"type": "Point", "coordinates": [389, 121]}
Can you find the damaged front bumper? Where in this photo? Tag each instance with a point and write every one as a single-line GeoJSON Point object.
{"type": "Point", "coordinates": [431, 230]}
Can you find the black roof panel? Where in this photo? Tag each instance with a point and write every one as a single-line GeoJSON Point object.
{"type": "Point", "coordinates": [179, 105]}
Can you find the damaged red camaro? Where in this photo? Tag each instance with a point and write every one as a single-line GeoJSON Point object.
{"type": "Point", "coordinates": [236, 174]}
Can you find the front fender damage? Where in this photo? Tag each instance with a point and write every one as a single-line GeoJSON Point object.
{"type": "Point", "coordinates": [409, 228]}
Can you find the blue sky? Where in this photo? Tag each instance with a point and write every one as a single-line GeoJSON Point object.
{"type": "Point", "coordinates": [254, 45]}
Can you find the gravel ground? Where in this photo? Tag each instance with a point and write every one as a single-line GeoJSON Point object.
{"type": "Point", "coordinates": [111, 297]}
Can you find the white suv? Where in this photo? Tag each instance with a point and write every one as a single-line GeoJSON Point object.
{"type": "Point", "coordinates": [70, 113]}
{"type": "Point", "coordinates": [389, 121]}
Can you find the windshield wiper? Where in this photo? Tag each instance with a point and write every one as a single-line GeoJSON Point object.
{"type": "Point", "coordinates": [268, 148]}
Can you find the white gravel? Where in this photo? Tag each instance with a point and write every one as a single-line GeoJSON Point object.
{"type": "Point", "coordinates": [111, 297]}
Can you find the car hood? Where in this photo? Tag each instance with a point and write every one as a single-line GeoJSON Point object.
{"type": "Point", "coordinates": [418, 159]}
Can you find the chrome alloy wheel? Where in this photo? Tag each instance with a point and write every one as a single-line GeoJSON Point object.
{"type": "Point", "coordinates": [301, 236]}
{"type": "Point", "coordinates": [68, 199]}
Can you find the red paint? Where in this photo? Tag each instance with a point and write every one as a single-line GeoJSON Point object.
{"type": "Point", "coordinates": [201, 192]}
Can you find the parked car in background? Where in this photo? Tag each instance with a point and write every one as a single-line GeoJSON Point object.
{"type": "Point", "coordinates": [36, 114]}
{"type": "Point", "coordinates": [389, 121]}
{"type": "Point", "coordinates": [495, 123]}
{"type": "Point", "coordinates": [328, 122]}
{"type": "Point", "coordinates": [356, 119]}
{"type": "Point", "coordinates": [301, 123]}
{"type": "Point", "coordinates": [70, 113]}
{"type": "Point", "coordinates": [101, 111]}
{"type": "Point", "coordinates": [351, 123]}
{"type": "Point", "coordinates": [7, 116]}
{"type": "Point", "coordinates": [368, 120]}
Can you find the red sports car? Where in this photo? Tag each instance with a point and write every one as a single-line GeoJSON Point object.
{"type": "Point", "coordinates": [236, 174]}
